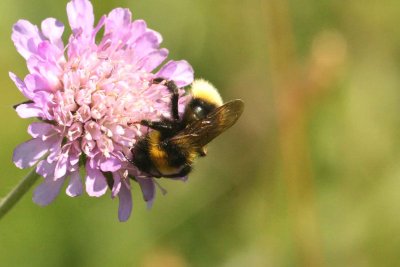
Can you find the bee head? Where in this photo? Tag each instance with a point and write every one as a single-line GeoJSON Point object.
{"type": "Point", "coordinates": [205, 98]}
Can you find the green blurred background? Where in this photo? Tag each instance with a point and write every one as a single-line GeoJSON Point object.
{"type": "Point", "coordinates": [309, 176]}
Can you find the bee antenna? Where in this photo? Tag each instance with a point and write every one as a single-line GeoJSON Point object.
{"type": "Point", "coordinates": [129, 160]}
{"type": "Point", "coordinates": [159, 80]}
{"type": "Point", "coordinates": [135, 122]}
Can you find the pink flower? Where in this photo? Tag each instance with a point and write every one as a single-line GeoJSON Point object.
{"type": "Point", "coordinates": [87, 95]}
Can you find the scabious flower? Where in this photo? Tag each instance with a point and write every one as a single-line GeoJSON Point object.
{"type": "Point", "coordinates": [88, 96]}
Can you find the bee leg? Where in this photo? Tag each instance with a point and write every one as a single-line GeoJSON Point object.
{"type": "Point", "coordinates": [160, 126]}
{"type": "Point", "coordinates": [183, 172]}
{"type": "Point", "coordinates": [158, 80]}
{"type": "Point", "coordinates": [202, 151]}
{"type": "Point", "coordinates": [174, 99]}
{"type": "Point", "coordinates": [175, 95]}
{"type": "Point", "coordinates": [128, 159]}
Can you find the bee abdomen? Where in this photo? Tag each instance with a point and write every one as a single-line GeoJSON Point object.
{"type": "Point", "coordinates": [141, 155]}
{"type": "Point", "coordinates": [177, 157]}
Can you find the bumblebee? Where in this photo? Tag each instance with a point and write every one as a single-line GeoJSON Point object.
{"type": "Point", "coordinates": [172, 145]}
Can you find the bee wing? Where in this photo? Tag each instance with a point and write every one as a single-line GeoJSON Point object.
{"type": "Point", "coordinates": [199, 133]}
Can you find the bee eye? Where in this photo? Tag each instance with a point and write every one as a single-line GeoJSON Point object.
{"type": "Point", "coordinates": [199, 112]}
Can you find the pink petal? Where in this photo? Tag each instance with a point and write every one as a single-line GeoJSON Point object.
{"type": "Point", "coordinates": [162, 189]}
{"type": "Point", "coordinates": [28, 153]}
{"type": "Point", "coordinates": [47, 191]}
{"type": "Point", "coordinates": [35, 83]}
{"type": "Point", "coordinates": [117, 184]}
{"type": "Point", "coordinates": [92, 131]}
{"type": "Point", "coordinates": [50, 54]}
{"type": "Point", "coordinates": [21, 86]}
{"type": "Point", "coordinates": [138, 28]}
{"type": "Point", "coordinates": [55, 149]}
{"type": "Point", "coordinates": [153, 60]}
{"type": "Point", "coordinates": [49, 70]}
{"type": "Point", "coordinates": [96, 184]}
{"type": "Point", "coordinates": [125, 203]}
{"type": "Point", "coordinates": [61, 166]}
{"type": "Point", "coordinates": [53, 30]}
{"type": "Point", "coordinates": [99, 25]}
{"type": "Point", "coordinates": [26, 38]}
{"type": "Point", "coordinates": [41, 129]}
{"type": "Point", "coordinates": [80, 15]}
{"type": "Point", "coordinates": [179, 71]}
{"type": "Point", "coordinates": [46, 169]}
{"type": "Point", "coordinates": [148, 188]}
{"type": "Point", "coordinates": [75, 185]}
{"type": "Point", "coordinates": [74, 154]}
{"type": "Point", "coordinates": [146, 44]}
{"type": "Point", "coordinates": [111, 164]}
{"type": "Point", "coordinates": [29, 110]}
{"type": "Point", "coordinates": [157, 35]}
{"type": "Point", "coordinates": [117, 24]}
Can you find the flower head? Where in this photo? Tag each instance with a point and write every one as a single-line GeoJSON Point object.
{"type": "Point", "coordinates": [87, 95]}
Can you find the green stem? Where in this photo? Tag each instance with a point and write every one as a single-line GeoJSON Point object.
{"type": "Point", "coordinates": [12, 198]}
